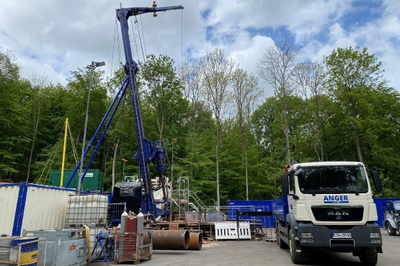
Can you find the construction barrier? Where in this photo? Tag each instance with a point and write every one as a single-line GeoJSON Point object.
{"type": "Point", "coordinates": [229, 230]}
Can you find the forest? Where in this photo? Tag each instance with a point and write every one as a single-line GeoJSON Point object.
{"type": "Point", "coordinates": [218, 127]}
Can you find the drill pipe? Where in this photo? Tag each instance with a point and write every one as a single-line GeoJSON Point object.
{"type": "Point", "coordinates": [196, 241]}
{"type": "Point", "coordinates": [170, 239]}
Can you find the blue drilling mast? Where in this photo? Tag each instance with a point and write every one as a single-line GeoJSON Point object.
{"type": "Point", "coordinates": [149, 151]}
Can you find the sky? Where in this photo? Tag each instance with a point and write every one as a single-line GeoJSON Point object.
{"type": "Point", "coordinates": [52, 38]}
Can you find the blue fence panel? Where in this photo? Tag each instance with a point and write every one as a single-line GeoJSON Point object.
{"type": "Point", "coordinates": [251, 205]}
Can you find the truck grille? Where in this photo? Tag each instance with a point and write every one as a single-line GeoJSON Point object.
{"type": "Point", "coordinates": [338, 213]}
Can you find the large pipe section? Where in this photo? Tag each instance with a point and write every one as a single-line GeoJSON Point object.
{"type": "Point", "coordinates": [170, 239]}
{"type": "Point", "coordinates": [196, 241]}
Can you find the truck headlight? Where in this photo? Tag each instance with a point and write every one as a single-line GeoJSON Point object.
{"type": "Point", "coordinates": [306, 235]}
{"type": "Point", "coordinates": [374, 235]}
{"type": "Point", "coordinates": [307, 240]}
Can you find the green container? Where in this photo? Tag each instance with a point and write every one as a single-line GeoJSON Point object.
{"type": "Point", "coordinates": [92, 181]}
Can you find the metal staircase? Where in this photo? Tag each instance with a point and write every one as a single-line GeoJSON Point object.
{"type": "Point", "coordinates": [200, 203]}
{"type": "Point", "coordinates": [185, 199]}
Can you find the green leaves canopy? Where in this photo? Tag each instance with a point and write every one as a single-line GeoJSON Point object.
{"type": "Point", "coordinates": [359, 120]}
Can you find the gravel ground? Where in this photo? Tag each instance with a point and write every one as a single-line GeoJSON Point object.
{"type": "Point", "coordinates": [259, 252]}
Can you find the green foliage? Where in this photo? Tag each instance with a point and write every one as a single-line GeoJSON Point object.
{"type": "Point", "coordinates": [13, 117]}
{"type": "Point", "coordinates": [358, 112]}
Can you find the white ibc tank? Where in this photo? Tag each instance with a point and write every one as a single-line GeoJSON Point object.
{"type": "Point", "coordinates": [87, 210]}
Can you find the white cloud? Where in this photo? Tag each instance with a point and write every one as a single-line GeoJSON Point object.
{"type": "Point", "coordinates": [53, 38]}
{"type": "Point", "coordinates": [249, 56]}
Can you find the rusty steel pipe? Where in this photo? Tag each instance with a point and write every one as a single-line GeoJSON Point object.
{"type": "Point", "coordinates": [170, 239]}
{"type": "Point", "coordinates": [196, 241]}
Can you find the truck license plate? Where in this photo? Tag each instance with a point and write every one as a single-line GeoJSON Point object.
{"type": "Point", "coordinates": [341, 235]}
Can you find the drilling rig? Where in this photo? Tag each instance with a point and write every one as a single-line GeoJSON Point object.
{"type": "Point", "coordinates": [149, 151]}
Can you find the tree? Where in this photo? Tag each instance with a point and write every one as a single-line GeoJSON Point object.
{"type": "Point", "coordinates": [216, 73]}
{"type": "Point", "coordinates": [13, 116]}
{"type": "Point", "coordinates": [78, 87]}
{"type": "Point", "coordinates": [163, 92]}
{"type": "Point", "coordinates": [267, 130]}
{"type": "Point", "coordinates": [245, 93]}
{"type": "Point", "coordinates": [38, 84]}
{"type": "Point", "coordinates": [116, 131]}
{"type": "Point", "coordinates": [352, 75]}
{"type": "Point", "coordinates": [198, 117]}
{"type": "Point", "coordinates": [309, 78]}
{"type": "Point", "coordinates": [277, 66]}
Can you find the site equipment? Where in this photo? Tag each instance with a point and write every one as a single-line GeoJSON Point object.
{"type": "Point", "coordinates": [392, 217]}
{"type": "Point", "coordinates": [328, 206]}
{"type": "Point", "coordinates": [149, 151]}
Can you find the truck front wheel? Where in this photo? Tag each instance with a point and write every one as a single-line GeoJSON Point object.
{"type": "Point", "coordinates": [297, 257]}
{"type": "Point", "coordinates": [368, 256]}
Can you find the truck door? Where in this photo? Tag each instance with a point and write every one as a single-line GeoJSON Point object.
{"type": "Point", "coordinates": [292, 191]}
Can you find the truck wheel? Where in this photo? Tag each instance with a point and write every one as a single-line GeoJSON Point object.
{"type": "Point", "coordinates": [368, 256]}
{"type": "Point", "coordinates": [297, 257]}
{"type": "Point", "coordinates": [391, 231]}
{"type": "Point", "coordinates": [279, 241]}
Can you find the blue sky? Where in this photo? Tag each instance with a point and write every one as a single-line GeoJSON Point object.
{"type": "Point", "coordinates": [52, 38]}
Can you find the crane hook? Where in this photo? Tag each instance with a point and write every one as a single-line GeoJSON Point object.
{"type": "Point", "coordinates": [154, 6]}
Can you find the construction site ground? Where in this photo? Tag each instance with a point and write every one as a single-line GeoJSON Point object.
{"type": "Point", "coordinates": [259, 251]}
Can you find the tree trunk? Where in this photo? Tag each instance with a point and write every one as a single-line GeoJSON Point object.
{"type": "Point", "coordinates": [35, 127]}
{"type": "Point", "coordinates": [359, 152]}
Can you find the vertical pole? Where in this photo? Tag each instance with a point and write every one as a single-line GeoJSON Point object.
{"type": "Point", "coordinates": [237, 222]}
{"type": "Point", "coordinates": [172, 164]}
{"type": "Point", "coordinates": [123, 169]}
{"type": "Point", "coordinates": [63, 154]}
{"type": "Point", "coordinates": [172, 176]}
{"type": "Point", "coordinates": [172, 180]}
{"type": "Point", "coordinates": [217, 162]}
{"type": "Point", "coordinates": [92, 67]}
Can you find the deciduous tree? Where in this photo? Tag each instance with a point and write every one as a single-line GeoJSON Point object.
{"type": "Point", "coordinates": [245, 93]}
{"type": "Point", "coordinates": [353, 74]}
{"type": "Point", "coordinates": [216, 74]}
{"type": "Point", "coordinates": [278, 66]}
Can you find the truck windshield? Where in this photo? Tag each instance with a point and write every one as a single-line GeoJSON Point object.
{"type": "Point", "coordinates": [333, 179]}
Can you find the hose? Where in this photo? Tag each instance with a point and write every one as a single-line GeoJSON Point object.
{"type": "Point", "coordinates": [87, 236]}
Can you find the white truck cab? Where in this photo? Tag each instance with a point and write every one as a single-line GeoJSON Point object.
{"type": "Point", "coordinates": [328, 206]}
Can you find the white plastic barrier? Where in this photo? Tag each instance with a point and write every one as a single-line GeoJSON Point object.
{"type": "Point", "coordinates": [229, 230]}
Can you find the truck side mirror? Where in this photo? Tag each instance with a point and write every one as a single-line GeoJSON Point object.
{"type": "Point", "coordinates": [285, 183]}
{"type": "Point", "coordinates": [377, 181]}
{"type": "Point", "coordinates": [299, 173]}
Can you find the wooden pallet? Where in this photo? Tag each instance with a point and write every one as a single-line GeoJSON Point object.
{"type": "Point", "coordinates": [148, 257]}
{"type": "Point", "coordinates": [270, 240]}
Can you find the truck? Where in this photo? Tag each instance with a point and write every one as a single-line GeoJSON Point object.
{"type": "Point", "coordinates": [328, 207]}
{"type": "Point", "coordinates": [392, 217]}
